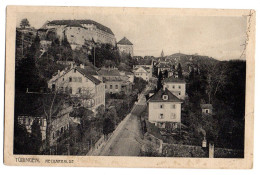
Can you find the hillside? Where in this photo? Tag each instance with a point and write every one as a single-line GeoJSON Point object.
{"type": "Point", "coordinates": [187, 61]}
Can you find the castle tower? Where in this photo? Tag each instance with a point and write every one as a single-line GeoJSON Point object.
{"type": "Point", "coordinates": [125, 46]}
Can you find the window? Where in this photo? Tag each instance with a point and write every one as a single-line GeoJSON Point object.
{"type": "Point", "coordinates": [75, 70]}
{"type": "Point", "coordinates": [173, 106]}
{"type": "Point", "coordinates": [111, 86]}
{"type": "Point", "coordinates": [70, 90]}
{"type": "Point", "coordinates": [53, 135]}
{"type": "Point", "coordinates": [116, 86]}
{"type": "Point", "coordinates": [105, 86]}
{"type": "Point", "coordinates": [53, 87]}
{"type": "Point", "coordinates": [173, 86]}
{"type": "Point", "coordinates": [179, 93]}
{"type": "Point", "coordinates": [165, 97]}
{"type": "Point", "coordinates": [173, 116]}
{"type": "Point", "coordinates": [207, 111]}
{"type": "Point", "coordinates": [70, 79]}
{"type": "Point", "coordinates": [79, 90]}
{"type": "Point", "coordinates": [161, 116]}
{"type": "Point", "coordinates": [161, 106]}
{"type": "Point", "coordinates": [75, 79]}
{"type": "Point", "coordinates": [62, 79]}
{"type": "Point", "coordinates": [179, 87]}
{"type": "Point", "coordinates": [80, 79]}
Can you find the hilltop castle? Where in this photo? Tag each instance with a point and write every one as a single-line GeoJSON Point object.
{"type": "Point", "coordinates": [78, 31]}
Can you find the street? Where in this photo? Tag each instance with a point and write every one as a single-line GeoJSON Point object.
{"type": "Point", "coordinates": [127, 140]}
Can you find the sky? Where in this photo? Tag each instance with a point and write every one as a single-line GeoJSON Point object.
{"type": "Point", "coordinates": [218, 37]}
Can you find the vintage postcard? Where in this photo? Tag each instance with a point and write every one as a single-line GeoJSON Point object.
{"type": "Point", "coordinates": [129, 87]}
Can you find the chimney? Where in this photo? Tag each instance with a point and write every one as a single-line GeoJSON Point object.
{"type": "Point", "coordinates": [71, 65]}
{"type": "Point", "coordinates": [59, 72]}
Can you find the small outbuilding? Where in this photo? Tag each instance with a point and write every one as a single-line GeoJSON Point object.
{"type": "Point", "coordinates": [206, 108]}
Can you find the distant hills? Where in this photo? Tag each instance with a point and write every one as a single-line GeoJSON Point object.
{"type": "Point", "coordinates": [188, 61]}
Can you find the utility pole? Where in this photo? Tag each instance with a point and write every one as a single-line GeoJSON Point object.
{"type": "Point", "coordinates": [94, 56]}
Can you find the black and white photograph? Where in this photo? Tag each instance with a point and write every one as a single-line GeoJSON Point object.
{"type": "Point", "coordinates": [130, 84]}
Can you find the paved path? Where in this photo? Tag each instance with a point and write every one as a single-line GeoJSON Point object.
{"type": "Point", "coordinates": [127, 140]}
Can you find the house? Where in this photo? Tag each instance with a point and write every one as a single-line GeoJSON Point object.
{"type": "Point", "coordinates": [125, 46]}
{"type": "Point", "coordinates": [176, 86]}
{"type": "Point", "coordinates": [163, 66]}
{"type": "Point", "coordinates": [31, 111]}
{"type": "Point", "coordinates": [143, 72]}
{"type": "Point", "coordinates": [207, 109]}
{"type": "Point", "coordinates": [80, 81]}
{"type": "Point", "coordinates": [115, 82]}
{"type": "Point", "coordinates": [144, 69]}
{"type": "Point", "coordinates": [164, 109]}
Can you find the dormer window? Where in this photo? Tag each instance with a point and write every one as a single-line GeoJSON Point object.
{"type": "Point", "coordinates": [165, 97]}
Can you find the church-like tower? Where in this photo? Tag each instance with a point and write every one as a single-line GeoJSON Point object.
{"type": "Point", "coordinates": [162, 54]}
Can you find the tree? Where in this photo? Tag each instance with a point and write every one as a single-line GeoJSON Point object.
{"type": "Point", "coordinates": [24, 23]}
{"type": "Point", "coordinates": [21, 139]}
{"type": "Point", "coordinates": [36, 137]}
{"type": "Point", "coordinates": [166, 74]}
{"type": "Point", "coordinates": [108, 126]}
{"type": "Point", "coordinates": [139, 84]}
{"type": "Point", "coordinates": [179, 70]}
{"type": "Point", "coordinates": [159, 82]}
{"type": "Point", "coordinates": [27, 73]}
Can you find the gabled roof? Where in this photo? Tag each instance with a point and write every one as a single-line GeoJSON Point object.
{"type": "Point", "coordinates": [172, 79]}
{"type": "Point", "coordinates": [88, 74]}
{"type": "Point", "coordinates": [206, 106]}
{"type": "Point", "coordinates": [158, 97]}
{"type": "Point", "coordinates": [69, 22]}
{"type": "Point", "coordinates": [124, 41]}
{"type": "Point", "coordinates": [142, 67]}
{"type": "Point", "coordinates": [109, 72]}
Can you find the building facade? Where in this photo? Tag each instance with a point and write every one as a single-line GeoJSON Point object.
{"type": "Point", "coordinates": [144, 69]}
{"type": "Point", "coordinates": [115, 82]}
{"type": "Point", "coordinates": [78, 31]}
{"type": "Point", "coordinates": [164, 109]}
{"type": "Point", "coordinates": [59, 123]}
{"type": "Point", "coordinates": [125, 46]}
{"type": "Point", "coordinates": [80, 81]}
{"type": "Point", "coordinates": [176, 86]}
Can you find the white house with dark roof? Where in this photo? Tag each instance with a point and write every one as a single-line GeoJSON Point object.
{"type": "Point", "coordinates": [80, 81]}
{"type": "Point", "coordinates": [164, 109]}
{"type": "Point", "coordinates": [176, 86]}
{"type": "Point", "coordinates": [125, 46]}
{"type": "Point", "coordinates": [143, 69]}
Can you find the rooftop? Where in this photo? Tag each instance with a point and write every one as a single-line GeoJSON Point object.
{"type": "Point", "coordinates": [158, 97]}
{"type": "Point", "coordinates": [206, 106]}
{"type": "Point", "coordinates": [109, 72]}
{"type": "Point", "coordinates": [88, 74]}
{"type": "Point", "coordinates": [125, 41]}
{"type": "Point", "coordinates": [79, 22]}
{"type": "Point", "coordinates": [172, 79]}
